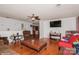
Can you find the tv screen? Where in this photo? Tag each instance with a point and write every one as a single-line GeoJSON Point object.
{"type": "Point", "coordinates": [55, 23]}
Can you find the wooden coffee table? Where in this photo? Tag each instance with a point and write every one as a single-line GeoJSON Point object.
{"type": "Point", "coordinates": [36, 45]}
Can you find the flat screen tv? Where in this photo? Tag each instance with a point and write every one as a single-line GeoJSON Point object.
{"type": "Point", "coordinates": [55, 23]}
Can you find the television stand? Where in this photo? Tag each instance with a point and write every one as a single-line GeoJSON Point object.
{"type": "Point", "coordinates": [55, 36]}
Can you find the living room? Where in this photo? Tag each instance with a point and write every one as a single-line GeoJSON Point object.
{"type": "Point", "coordinates": [36, 29]}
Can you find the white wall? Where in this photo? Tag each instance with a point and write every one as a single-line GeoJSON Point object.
{"type": "Point", "coordinates": [44, 29]}
{"type": "Point", "coordinates": [67, 24]}
{"type": "Point", "coordinates": [14, 26]}
{"type": "Point", "coordinates": [41, 28]}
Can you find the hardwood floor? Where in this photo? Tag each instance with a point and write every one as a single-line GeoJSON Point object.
{"type": "Point", "coordinates": [51, 49]}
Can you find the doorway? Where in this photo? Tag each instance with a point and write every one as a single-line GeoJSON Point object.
{"type": "Point", "coordinates": [35, 31]}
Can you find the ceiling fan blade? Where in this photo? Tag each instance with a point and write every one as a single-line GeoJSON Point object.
{"type": "Point", "coordinates": [37, 18]}
{"type": "Point", "coordinates": [33, 16]}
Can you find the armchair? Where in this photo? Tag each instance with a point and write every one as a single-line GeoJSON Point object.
{"type": "Point", "coordinates": [26, 34]}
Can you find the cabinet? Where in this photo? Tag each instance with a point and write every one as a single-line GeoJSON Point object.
{"type": "Point", "coordinates": [56, 36]}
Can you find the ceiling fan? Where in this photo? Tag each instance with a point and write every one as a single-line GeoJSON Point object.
{"type": "Point", "coordinates": [33, 17]}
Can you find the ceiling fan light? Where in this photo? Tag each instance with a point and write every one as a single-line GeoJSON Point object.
{"type": "Point", "coordinates": [33, 18]}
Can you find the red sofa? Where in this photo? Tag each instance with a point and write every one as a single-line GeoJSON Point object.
{"type": "Point", "coordinates": [68, 44]}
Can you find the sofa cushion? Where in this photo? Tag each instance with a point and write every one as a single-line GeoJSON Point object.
{"type": "Point", "coordinates": [65, 44]}
{"type": "Point", "coordinates": [73, 39]}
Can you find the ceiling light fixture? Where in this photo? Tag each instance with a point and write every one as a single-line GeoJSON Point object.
{"type": "Point", "coordinates": [33, 19]}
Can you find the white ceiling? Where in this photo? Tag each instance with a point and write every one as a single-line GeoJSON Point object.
{"type": "Point", "coordinates": [44, 11]}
